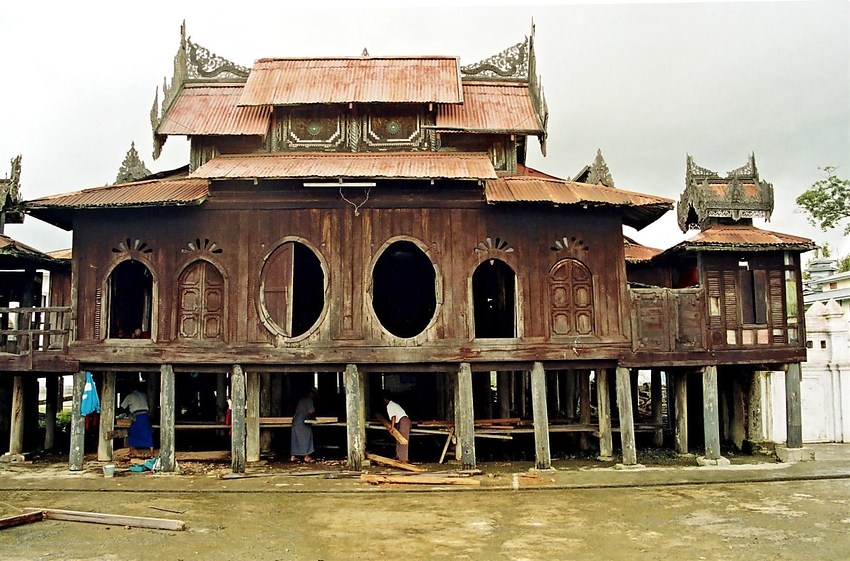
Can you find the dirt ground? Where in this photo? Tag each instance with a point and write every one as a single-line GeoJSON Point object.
{"type": "Point", "coordinates": [291, 520]}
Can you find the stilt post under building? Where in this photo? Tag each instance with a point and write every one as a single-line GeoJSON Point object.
{"type": "Point", "coordinates": [584, 406]}
{"type": "Point", "coordinates": [793, 406]}
{"type": "Point", "coordinates": [354, 382]}
{"type": "Point", "coordinates": [107, 417]}
{"type": "Point", "coordinates": [540, 411]}
{"type": "Point", "coordinates": [657, 409]}
{"type": "Point", "coordinates": [252, 417]}
{"type": "Point", "coordinates": [465, 417]}
{"type": "Point", "coordinates": [503, 385]}
{"type": "Point", "coordinates": [710, 415]}
{"type": "Point", "coordinates": [16, 422]}
{"type": "Point", "coordinates": [167, 451]}
{"type": "Point", "coordinates": [680, 404]}
{"type": "Point", "coordinates": [78, 425]}
{"type": "Point", "coordinates": [237, 417]}
{"type": "Point", "coordinates": [603, 402]}
{"type": "Point", "coordinates": [51, 408]}
{"type": "Point", "coordinates": [627, 422]}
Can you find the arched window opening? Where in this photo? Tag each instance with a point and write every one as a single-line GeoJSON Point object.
{"type": "Point", "coordinates": [130, 301]}
{"type": "Point", "coordinates": [293, 289]}
{"type": "Point", "coordinates": [201, 302]}
{"type": "Point", "coordinates": [404, 294]}
{"type": "Point", "coordinates": [571, 298]}
{"type": "Point", "coordinates": [494, 299]}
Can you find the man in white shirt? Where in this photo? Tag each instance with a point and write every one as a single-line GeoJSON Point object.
{"type": "Point", "coordinates": [400, 421]}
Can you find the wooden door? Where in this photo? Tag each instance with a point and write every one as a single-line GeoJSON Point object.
{"type": "Point", "coordinates": [201, 300]}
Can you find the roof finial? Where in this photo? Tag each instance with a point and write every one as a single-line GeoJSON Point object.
{"type": "Point", "coordinates": [132, 168]}
{"type": "Point", "coordinates": [365, 52]}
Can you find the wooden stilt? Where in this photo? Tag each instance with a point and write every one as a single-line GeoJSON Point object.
{"type": "Point", "coordinates": [570, 395]}
{"type": "Point", "coordinates": [710, 416]}
{"type": "Point", "coordinates": [657, 409]}
{"type": "Point", "coordinates": [793, 406]}
{"type": "Point", "coordinates": [680, 429]}
{"type": "Point", "coordinates": [265, 411]}
{"type": "Point", "coordinates": [627, 422]}
{"type": "Point", "coordinates": [252, 417]}
{"type": "Point", "coordinates": [237, 417]}
{"type": "Point", "coordinates": [465, 417]}
{"type": "Point", "coordinates": [355, 412]}
{"type": "Point", "coordinates": [16, 435]}
{"type": "Point", "coordinates": [51, 407]}
{"type": "Point", "coordinates": [504, 390]}
{"type": "Point", "coordinates": [584, 407]}
{"type": "Point", "coordinates": [107, 417]}
{"type": "Point", "coordinates": [167, 450]}
{"type": "Point", "coordinates": [542, 453]}
{"type": "Point", "coordinates": [603, 408]}
{"type": "Point", "coordinates": [153, 389]}
{"type": "Point", "coordinates": [78, 425]}
{"type": "Point", "coordinates": [635, 386]}
{"type": "Point", "coordinates": [277, 394]}
{"type": "Point", "coordinates": [738, 417]}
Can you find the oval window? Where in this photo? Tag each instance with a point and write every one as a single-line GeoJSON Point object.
{"type": "Point", "coordinates": [404, 294]}
{"type": "Point", "coordinates": [293, 289]}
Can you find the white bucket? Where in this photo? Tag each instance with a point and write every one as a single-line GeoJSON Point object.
{"type": "Point", "coordinates": [109, 470]}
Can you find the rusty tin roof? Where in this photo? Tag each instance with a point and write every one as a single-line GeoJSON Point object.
{"type": "Point", "coordinates": [409, 165]}
{"type": "Point", "coordinates": [639, 210]}
{"type": "Point", "coordinates": [412, 79]}
{"type": "Point", "coordinates": [491, 107]}
{"type": "Point", "coordinates": [213, 110]}
{"type": "Point", "coordinates": [637, 253]}
{"type": "Point", "coordinates": [742, 237]}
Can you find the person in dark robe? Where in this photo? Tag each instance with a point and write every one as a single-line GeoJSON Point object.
{"type": "Point", "coordinates": [140, 434]}
{"type": "Point", "coordinates": [301, 445]}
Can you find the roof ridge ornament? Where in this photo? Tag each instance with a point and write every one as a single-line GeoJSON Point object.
{"type": "Point", "coordinates": [10, 196]}
{"type": "Point", "coordinates": [132, 168]}
{"type": "Point", "coordinates": [510, 64]}
{"type": "Point", "coordinates": [599, 172]}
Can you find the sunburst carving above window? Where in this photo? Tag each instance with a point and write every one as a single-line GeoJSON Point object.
{"type": "Point", "coordinates": [570, 245]}
{"type": "Point", "coordinates": [201, 245]}
{"type": "Point", "coordinates": [130, 245]}
{"type": "Point", "coordinates": [493, 244]}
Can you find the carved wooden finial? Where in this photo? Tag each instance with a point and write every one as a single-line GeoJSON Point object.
{"type": "Point", "coordinates": [365, 52]}
{"type": "Point", "coordinates": [599, 172]}
{"type": "Point", "coordinates": [132, 168]}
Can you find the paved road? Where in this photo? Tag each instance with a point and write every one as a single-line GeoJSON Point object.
{"type": "Point", "coordinates": [726, 521]}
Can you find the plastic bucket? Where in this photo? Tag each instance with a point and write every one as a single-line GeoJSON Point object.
{"type": "Point", "coordinates": [109, 470]}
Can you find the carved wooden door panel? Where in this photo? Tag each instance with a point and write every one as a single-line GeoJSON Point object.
{"type": "Point", "coordinates": [201, 301]}
{"type": "Point", "coordinates": [571, 299]}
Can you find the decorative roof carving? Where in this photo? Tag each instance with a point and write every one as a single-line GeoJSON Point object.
{"type": "Point", "coordinates": [192, 63]}
{"type": "Point", "coordinates": [740, 196]}
{"type": "Point", "coordinates": [132, 168]}
{"type": "Point", "coordinates": [10, 195]}
{"type": "Point", "coordinates": [512, 63]}
{"type": "Point", "coordinates": [597, 173]}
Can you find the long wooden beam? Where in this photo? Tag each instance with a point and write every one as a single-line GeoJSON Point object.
{"type": "Point", "coordinates": [110, 519]}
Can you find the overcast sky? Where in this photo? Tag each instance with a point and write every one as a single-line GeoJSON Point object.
{"type": "Point", "coordinates": [646, 83]}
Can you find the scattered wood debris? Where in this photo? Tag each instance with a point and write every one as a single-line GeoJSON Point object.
{"type": "Point", "coordinates": [109, 519]}
{"type": "Point", "coordinates": [164, 509]}
{"type": "Point", "coordinates": [394, 463]}
{"type": "Point", "coordinates": [20, 519]}
{"type": "Point", "coordinates": [375, 479]}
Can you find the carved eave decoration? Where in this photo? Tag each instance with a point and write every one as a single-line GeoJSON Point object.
{"type": "Point", "coordinates": [597, 173]}
{"type": "Point", "coordinates": [10, 194]}
{"type": "Point", "coordinates": [741, 194]}
{"type": "Point", "coordinates": [192, 64]}
{"type": "Point", "coordinates": [517, 63]}
{"type": "Point", "coordinates": [132, 168]}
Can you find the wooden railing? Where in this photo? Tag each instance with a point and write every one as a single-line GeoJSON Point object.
{"type": "Point", "coordinates": [23, 330]}
{"type": "Point", "coordinates": [668, 319]}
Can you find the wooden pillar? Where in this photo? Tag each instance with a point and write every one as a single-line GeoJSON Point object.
{"type": "Point", "coordinates": [584, 406]}
{"type": "Point", "coordinates": [570, 395]}
{"type": "Point", "coordinates": [465, 417]}
{"type": "Point", "coordinates": [355, 416]}
{"type": "Point", "coordinates": [540, 411]}
{"type": "Point", "coordinates": [252, 417]}
{"type": "Point", "coordinates": [634, 380]}
{"type": "Point", "coordinates": [627, 421]}
{"type": "Point", "coordinates": [154, 384]}
{"type": "Point", "coordinates": [680, 403]}
{"type": "Point", "coordinates": [107, 417]}
{"type": "Point", "coordinates": [51, 407]}
{"type": "Point", "coordinates": [793, 406]}
{"type": "Point", "coordinates": [277, 394]}
{"type": "Point", "coordinates": [603, 408]}
{"type": "Point", "coordinates": [265, 411]}
{"type": "Point", "coordinates": [710, 417]}
{"type": "Point", "coordinates": [657, 409]}
{"type": "Point", "coordinates": [237, 417]}
{"type": "Point", "coordinates": [220, 397]}
{"type": "Point", "coordinates": [78, 424]}
{"type": "Point", "coordinates": [16, 432]}
{"type": "Point", "coordinates": [167, 451]}
{"type": "Point", "coordinates": [738, 420]}
{"type": "Point", "coordinates": [503, 384]}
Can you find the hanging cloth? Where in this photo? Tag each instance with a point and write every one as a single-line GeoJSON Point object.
{"type": "Point", "coordinates": [90, 403]}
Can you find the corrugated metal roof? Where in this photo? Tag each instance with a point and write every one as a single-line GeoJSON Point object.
{"type": "Point", "coordinates": [742, 236]}
{"type": "Point", "coordinates": [294, 81]}
{"type": "Point", "coordinates": [639, 209]}
{"type": "Point", "coordinates": [213, 110]}
{"type": "Point", "coordinates": [409, 165]}
{"type": "Point", "coordinates": [637, 253]}
{"type": "Point", "coordinates": [182, 191]}
{"type": "Point", "coordinates": [500, 107]}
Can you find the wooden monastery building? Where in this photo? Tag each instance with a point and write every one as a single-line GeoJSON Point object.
{"type": "Point", "coordinates": [367, 223]}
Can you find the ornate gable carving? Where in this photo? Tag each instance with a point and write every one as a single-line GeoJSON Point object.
{"type": "Point", "coordinates": [740, 195]}
{"type": "Point", "coordinates": [597, 173]}
{"type": "Point", "coordinates": [132, 168]}
{"type": "Point", "coordinates": [10, 195]}
{"type": "Point", "coordinates": [512, 63]}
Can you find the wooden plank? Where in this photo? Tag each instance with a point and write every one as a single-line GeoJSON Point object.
{"type": "Point", "coordinates": [542, 453]}
{"type": "Point", "coordinates": [710, 415]}
{"type": "Point", "coordinates": [110, 519]}
{"type": "Point", "coordinates": [627, 422]}
{"type": "Point", "coordinates": [446, 447]}
{"type": "Point", "coordinates": [237, 442]}
{"type": "Point", "coordinates": [418, 480]}
{"type": "Point", "coordinates": [394, 463]}
{"type": "Point", "coordinates": [464, 417]}
{"type": "Point", "coordinates": [107, 417]}
{"type": "Point", "coordinates": [166, 418]}
{"type": "Point", "coordinates": [793, 406]}
{"type": "Point", "coordinates": [20, 519]}
{"type": "Point", "coordinates": [252, 417]}
{"type": "Point", "coordinates": [603, 400]}
{"type": "Point", "coordinates": [387, 425]}
{"type": "Point", "coordinates": [78, 427]}
{"type": "Point", "coordinates": [354, 382]}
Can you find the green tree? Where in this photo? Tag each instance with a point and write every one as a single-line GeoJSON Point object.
{"type": "Point", "coordinates": [844, 264]}
{"type": "Point", "coordinates": [827, 201]}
